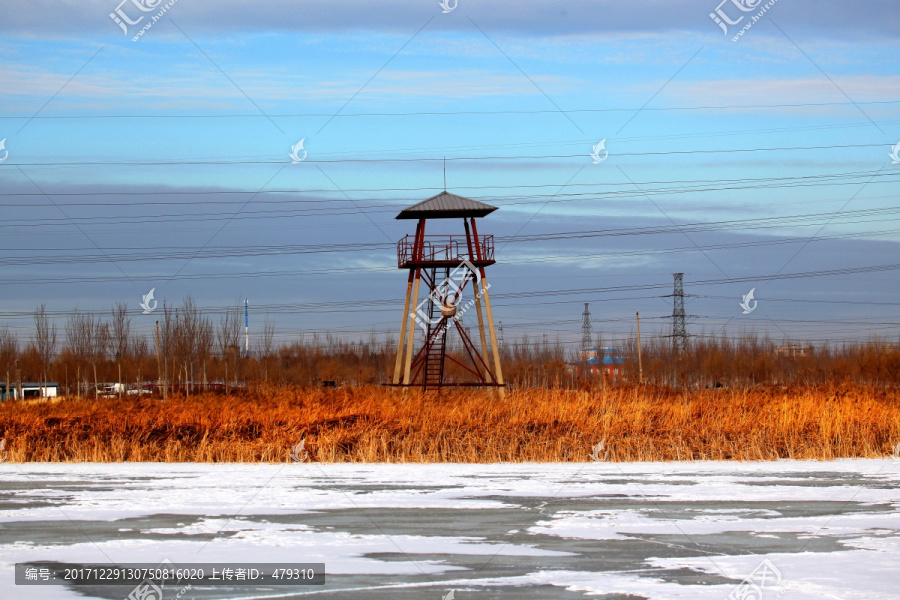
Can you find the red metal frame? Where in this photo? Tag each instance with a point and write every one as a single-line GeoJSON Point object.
{"type": "Point", "coordinates": [424, 256]}
{"type": "Point", "coordinates": [443, 251]}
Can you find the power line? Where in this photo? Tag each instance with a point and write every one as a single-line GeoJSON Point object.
{"type": "Point", "coordinates": [381, 160]}
{"type": "Point", "coordinates": [340, 271]}
{"type": "Point", "coordinates": [689, 184]}
{"type": "Point", "coordinates": [370, 305]}
{"type": "Point", "coordinates": [809, 219]}
{"type": "Point", "coordinates": [806, 300]}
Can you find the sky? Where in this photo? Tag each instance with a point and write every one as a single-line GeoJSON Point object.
{"type": "Point", "coordinates": [159, 157]}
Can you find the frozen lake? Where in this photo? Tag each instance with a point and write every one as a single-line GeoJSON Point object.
{"type": "Point", "coordinates": [524, 531]}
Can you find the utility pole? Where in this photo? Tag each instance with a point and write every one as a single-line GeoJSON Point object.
{"type": "Point", "coordinates": [679, 331]}
{"type": "Point", "coordinates": [637, 317]}
{"type": "Point", "coordinates": [500, 341]}
{"type": "Point", "coordinates": [247, 327]}
{"type": "Point", "coordinates": [158, 361]}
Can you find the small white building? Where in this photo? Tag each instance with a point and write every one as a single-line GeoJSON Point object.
{"type": "Point", "coordinates": [30, 389]}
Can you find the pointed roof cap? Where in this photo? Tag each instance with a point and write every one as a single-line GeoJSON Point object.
{"type": "Point", "coordinates": [446, 206]}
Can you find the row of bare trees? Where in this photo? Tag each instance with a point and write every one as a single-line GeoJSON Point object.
{"type": "Point", "coordinates": [187, 346]}
{"type": "Point", "coordinates": [188, 349]}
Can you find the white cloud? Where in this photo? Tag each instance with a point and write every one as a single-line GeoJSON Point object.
{"type": "Point", "coordinates": [770, 90]}
{"type": "Point", "coordinates": [204, 86]}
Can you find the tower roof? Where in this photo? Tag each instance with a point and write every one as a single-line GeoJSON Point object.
{"type": "Point", "coordinates": [446, 206]}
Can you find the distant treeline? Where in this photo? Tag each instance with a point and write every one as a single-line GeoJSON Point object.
{"type": "Point", "coordinates": [91, 350]}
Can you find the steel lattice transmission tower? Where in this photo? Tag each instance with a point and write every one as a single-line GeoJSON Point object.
{"type": "Point", "coordinates": [586, 334]}
{"type": "Point", "coordinates": [679, 331]}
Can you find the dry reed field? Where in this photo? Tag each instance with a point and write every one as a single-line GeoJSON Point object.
{"type": "Point", "coordinates": [374, 424]}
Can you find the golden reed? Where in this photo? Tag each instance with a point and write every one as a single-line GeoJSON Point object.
{"type": "Point", "coordinates": [374, 424]}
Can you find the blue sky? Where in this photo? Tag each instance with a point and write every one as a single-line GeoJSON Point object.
{"type": "Point", "coordinates": [793, 123]}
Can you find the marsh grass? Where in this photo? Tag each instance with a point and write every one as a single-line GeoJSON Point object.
{"type": "Point", "coordinates": [375, 424]}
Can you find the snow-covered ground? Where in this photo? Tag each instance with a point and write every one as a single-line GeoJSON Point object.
{"type": "Point", "coordinates": [634, 530]}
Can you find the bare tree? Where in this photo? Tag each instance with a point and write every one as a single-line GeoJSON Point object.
{"type": "Point", "coordinates": [77, 341]}
{"type": "Point", "coordinates": [229, 336]}
{"type": "Point", "coordinates": [229, 332]}
{"type": "Point", "coordinates": [139, 350]}
{"type": "Point", "coordinates": [186, 340]}
{"type": "Point", "coordinates": [89, 340]}
{"type": "Point", "coordinates": [267, 344]}
{"type": "Point", "coordinates": [186, 319]}
{"type": "Point", "coordinates": [267, 338]}
{"type": "Point", "coordinates": [101, 341]}
{"type": "Point", "coordinates": [45, 341]}
{"type": "Point", "coordinates": [167, 341]}
{"type": "Point", "coordinates": [9, 353]}
{"type": "Point", "coordinates": [193, 338]}
{"type": "Point", "coordinates": [120, 331]}
{"type": "Point", "coordinates": [204, 343]}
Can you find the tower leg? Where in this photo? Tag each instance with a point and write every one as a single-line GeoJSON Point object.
{"type": "Point", "coordinates": [475, 254]}
{"type": "Point", "coordinates": [398, 366]}
{"type": "Point", "coordinates": [411, 333]}
{"type": "Point", "coordinates": [484, 347]}
{"type": "Point", "coordinates": [490, 319]}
